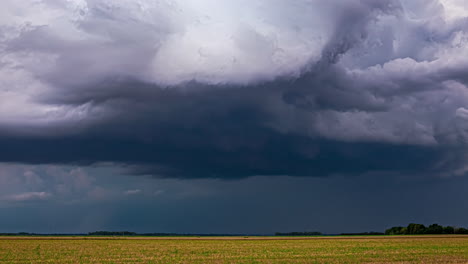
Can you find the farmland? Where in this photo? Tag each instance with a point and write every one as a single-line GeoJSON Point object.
{"type": "Point", "coordinates": [422, 249]}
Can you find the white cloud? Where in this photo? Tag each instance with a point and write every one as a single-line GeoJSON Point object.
{"type": "Point", "coordinates": [28, 196]}
{"type": "Point", "coordinates": [132, 192]}
{"type": "Point", "coordinates": [455, 9]}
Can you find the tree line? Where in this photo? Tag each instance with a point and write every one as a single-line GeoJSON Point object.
{"type": "Point", "coordinates": [107, 233]}
{"type": "Point", "coordinates": [299, 234]}
{"type": "Point", "coordinates": [411, 229]}
{"type": "Point", "coordinates": [419, 229]}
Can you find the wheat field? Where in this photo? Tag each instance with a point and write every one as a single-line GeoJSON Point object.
{"type": "Point", "coordinates": [423, 249]}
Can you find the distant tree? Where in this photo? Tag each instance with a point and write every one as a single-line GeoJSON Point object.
{"type": "Point", "coordinates": [461, 231]}
{"type": "Point", "coordinates": [449, 230]}
{"type": "Point", "coordinates": [419, 229]}
{"type": "Point", "coordinates": [393, 231]}
{"type": "Point", "coordinates": [397, 230]}
{"type": "Point", "coordinates": [416, 229]}
{"type": "Point", "coordinates": [404, 231]}
{"type": "Point", "coordinates": [435, 229]}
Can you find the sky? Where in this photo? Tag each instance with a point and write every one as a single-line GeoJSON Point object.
{"type": "Point", "coordinates": [232, 116]}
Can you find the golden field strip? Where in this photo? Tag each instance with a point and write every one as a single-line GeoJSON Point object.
{"type": "Point", "coordinates": [408, 249]}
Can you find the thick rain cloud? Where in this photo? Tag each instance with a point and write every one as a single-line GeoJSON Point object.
{"type": "Point", "coordinates": [232, 89]}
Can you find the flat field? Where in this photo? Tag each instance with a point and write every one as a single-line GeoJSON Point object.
{"type": "Point", "coordinates": [424, 249]}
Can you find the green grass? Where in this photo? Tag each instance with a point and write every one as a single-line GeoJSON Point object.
{"type": "Point", "coordinates": [427, 249]}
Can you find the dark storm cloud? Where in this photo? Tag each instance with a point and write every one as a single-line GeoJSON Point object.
{"type": "Point", "coordinates": [327, 88]}
{"type": "Point", "coordinates": [212, 133]}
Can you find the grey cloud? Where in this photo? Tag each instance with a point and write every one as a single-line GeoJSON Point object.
{"type": "Point", "coordinates": [52, 185]}
{"type": "Point", "coordinates": [187, 90]}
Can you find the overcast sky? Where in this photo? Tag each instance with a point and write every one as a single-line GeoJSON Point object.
{"type": "Point", "coordinates": [232, 116]}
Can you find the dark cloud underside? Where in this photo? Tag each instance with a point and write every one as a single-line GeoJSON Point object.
{"type": "Point", "coordinates": [231, 90]}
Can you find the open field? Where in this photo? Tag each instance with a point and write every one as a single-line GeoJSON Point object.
{"type": "Point", "coordinates": [424, 249]}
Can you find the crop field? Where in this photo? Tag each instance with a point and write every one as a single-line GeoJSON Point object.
{"type": "Point", "coordinates": [424, 249]}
